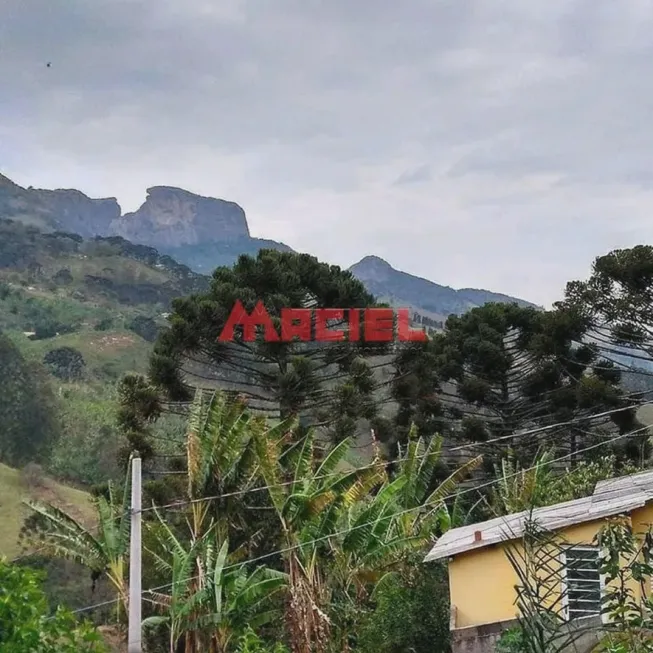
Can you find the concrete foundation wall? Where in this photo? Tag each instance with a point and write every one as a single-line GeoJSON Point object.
{"type": "Point", "coordinates": [479, 639]}
{"type": "Point", "coordinates": [483, 639]}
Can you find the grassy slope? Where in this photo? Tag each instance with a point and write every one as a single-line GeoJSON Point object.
{"type": "Point", "coordinates": [108, 354]}
{"type": "Point", "coordinates": [14, 489]}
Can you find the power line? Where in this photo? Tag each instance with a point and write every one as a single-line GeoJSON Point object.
{"type": "Point", "coordinates": [452, 496]}
{"type": "Point", "coordinates": [409, 510]}
{"type": "Point", "coordinates": [450, 456]}
{"type": "Point", "coordinates": [385, 463]}
{"type": "Point", "coordinates": [464, 448]}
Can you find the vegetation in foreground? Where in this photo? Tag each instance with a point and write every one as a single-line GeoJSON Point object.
{"type": "Point", "coordinates": [283, 536]}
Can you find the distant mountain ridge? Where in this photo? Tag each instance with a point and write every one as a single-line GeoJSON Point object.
{"type": "Point", "coordinates": [201, 232]}
{"type": "Point", "coordinates": [205, 232]}
{"type": "Point", "coordinates": [429, 299]}
{"type": "Point", "coordinates": [58, 210]}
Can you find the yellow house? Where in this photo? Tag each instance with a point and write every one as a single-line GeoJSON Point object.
{"type": "Point", "coordinates": [482, 581]}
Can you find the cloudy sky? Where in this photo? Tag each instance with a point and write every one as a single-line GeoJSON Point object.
{"type": "Point", "coordinates": [488, 143]}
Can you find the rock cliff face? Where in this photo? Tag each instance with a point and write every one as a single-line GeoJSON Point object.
{"type": "Point", "coordinates": [77, 213]}
{"type": "Point", "coordinates": [59, 210]}
{"type": "Point", "coordinates": [172, 217]}
{"type": "Point", "coordinates": [202, 232]}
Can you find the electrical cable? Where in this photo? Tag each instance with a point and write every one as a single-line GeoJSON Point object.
{"type": "Point", "coordinates": [385, 463]}
{"type": "Point", "coordinates": [400, 513]}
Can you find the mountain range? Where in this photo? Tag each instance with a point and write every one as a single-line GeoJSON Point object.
{"type": "Point", "coordinates": [205, 232]}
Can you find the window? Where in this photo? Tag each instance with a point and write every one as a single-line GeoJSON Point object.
{"type": "Point", "coordinates": [583, 582]}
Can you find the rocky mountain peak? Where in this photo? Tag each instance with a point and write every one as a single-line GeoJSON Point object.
{"type": "Point", "coordinates": [171, 217]}
{"type": "Point", "coordinates": [78, 213]}
{"type": "Point", "coordinates": [372, 268]}
{"type": "Point", "coordinates": [407, 290]}
{"type": "Point", "coordinates": [62, 210]}
{"type": "Point", "coordinates": [202, 232]}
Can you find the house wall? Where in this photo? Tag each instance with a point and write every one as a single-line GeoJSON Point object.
{"type": "Point", "coordinates": [642, 519]}
{"type": "Point", "coordinates": [484, 639]}
{"type": "Point", "coordinates": [482, 582]}
{"type": "Point", "coordinates": [482, 588]}
{"type": "Point", "coordinates": [481, 585]}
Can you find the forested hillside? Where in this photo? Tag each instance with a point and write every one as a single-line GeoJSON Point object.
{"type": "Point", "coordinates": [269, 451]}
{"type": "Point", "coordinates": [432, 300]}
{"type": "Point", "coordinates": [75, 316]}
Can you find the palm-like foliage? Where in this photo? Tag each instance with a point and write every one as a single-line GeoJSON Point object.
{"type": "Point", "coordinates": [220, 455]}
{"type": "Point", "coordinates": [421, 504]}
{"type": "Point", "coordinates": [207, 605]}
{"type": "Point", "coordinates": [222, 462]}
{"type": "Point", "coordinates": [210, 603]}
{"type": "Point", "coordinates": [103, 551]}
{"type": "Point", "coordinates": [407, 513]}
{"type": "Point", "coordinates": [519, 488]}
{"type": "Point", "coordinates": [309, 507]}
{"type": "Point", "coordinates": [339, 535]}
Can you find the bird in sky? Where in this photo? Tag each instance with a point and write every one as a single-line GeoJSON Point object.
{"type": "Point", "coordinates": [49, 64]}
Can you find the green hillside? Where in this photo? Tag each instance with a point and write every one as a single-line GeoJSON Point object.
{"type": "Point", "coordinates": [81, 314]}
{"type": "Point", "coordinates": [16, 486]}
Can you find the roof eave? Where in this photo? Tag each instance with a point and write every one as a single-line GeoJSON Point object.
{"type": "Point", "coordinates": [442, 551]}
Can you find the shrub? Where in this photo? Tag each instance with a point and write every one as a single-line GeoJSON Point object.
{"type": "Point", "coordinates": [66, 363]}
{"type": "Point", "coordinates": [145, 327]}
{"type": "Point", "coordinates": [411, 613]}
{"type": "Point", "coordinates": [512, 641]}
{"type": "Point", "coordinates": [44, 331]}
{"type": "Point", "coordinates": [104, 324]}
{"type": "Point", "coordinates": [250, 642]}
{"type": "Point", "coordinates": [25, 623]}
{"type": "Point", "coordinates": [32, 475]}
{"type": "Point", "coordinates": [63, 277]}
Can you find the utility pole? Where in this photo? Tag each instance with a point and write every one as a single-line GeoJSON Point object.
{"type": "Point", "coordinates": [134, 636]}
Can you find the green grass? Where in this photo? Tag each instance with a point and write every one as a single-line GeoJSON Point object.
{"type": "Point", "coordinates": [108, 354]}
{"type": "Point", "coordinates": [30, 306]}
{"type": "Point", "coordinates": [87, 450]}
{"type": "Point", "coordinates": [14, 489]}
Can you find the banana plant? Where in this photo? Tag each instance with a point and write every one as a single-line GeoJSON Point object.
{"type": "Point", "coordinates": [223, 465]}
{"type": "Point", "coordinates": [407, 513]}
{"type": "Point", "coordinates": [211, 602]}
{"type": "Point", "coordinates": [220, 457]}
{"type": "Point", "coordinates": [360, 520]}
{"type": "Point", "coordinates": [104, 550]}
{"type": "Point", "coordinates": [309, 496]}
{"type": "Point", "coordinates": [205, 607]}
{"type": "Point", "coordinates": [519, 488]}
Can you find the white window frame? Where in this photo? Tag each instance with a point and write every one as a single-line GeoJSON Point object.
{"type": "Point", "coordinates": [565, 585]}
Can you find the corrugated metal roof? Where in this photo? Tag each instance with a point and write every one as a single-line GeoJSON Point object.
{"type": "Point", "coordinates": [610, 498]}
{"type": "Point", "coordinates": [642, 481]}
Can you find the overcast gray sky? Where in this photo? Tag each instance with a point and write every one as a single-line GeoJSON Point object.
{"type": "Point", "coordinates": [488, 143]}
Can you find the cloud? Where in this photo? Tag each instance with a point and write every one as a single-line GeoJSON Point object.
{"type": "Point", "coordinates": [415, 176]}
{"type": "Point", "coordinates": [498, 145]}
